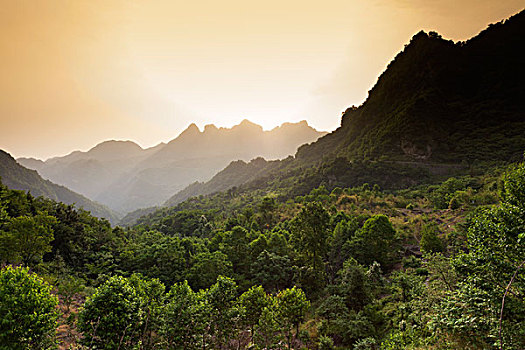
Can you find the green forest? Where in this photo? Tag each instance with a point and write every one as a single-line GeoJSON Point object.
{"type": "Point", "coordinates": [429, 267]}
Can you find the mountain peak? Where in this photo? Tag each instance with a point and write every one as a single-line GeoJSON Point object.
{"type": "Point", "coordinates": [246, 124]}
{"type": "Point", "coordinates": [210, 128]}
{"type": "Point", "coordinates": [115, 144]}
{"type": "Point", "coordinates": [302, 124]}
{"type": "Point", "coordinates": [191, 130]}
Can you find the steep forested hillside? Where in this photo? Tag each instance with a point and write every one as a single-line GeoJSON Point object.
{"type": "Point", "coordinates": [17, 177]}
{"type": "Point", "coordinates": [441, 101]}
{"type": "Point", "coordinates": [356, 268]}
{"type": "Point", "coordinates": [235, 174]}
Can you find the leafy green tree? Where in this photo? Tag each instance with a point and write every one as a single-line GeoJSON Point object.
{"type": "Point", "coordinates": [235, 246]}
{"type": "Point", "coordinates": [151, 294]}
{"type": "Point", "coordinates": [338, 254]}
{"type": "Point", "coordinates": [254, 300]}
{"type": "Point", "coordinates": [490, 274]}
{"type": "Point", "coordinates": [26, 239]}
{"type": "Point", "coordinates": [185, 318]}
{"type": "Point", "coordinates": [272, 271]}
{"type": "Point", "coordinates": [292, 306]}
{"type": "Point", "coordinates": [334, 311]}
{"type": "Point", "coordinates": [513, 186]}
{"type": "Point", "coordinates": [349, 312]}
{"type": "Point", "coordinates": [257, 246]}
{"type": "Point", "coordinates": [310, 233]}
{"type": "Point", "coordinates": [112, 317]}
{"type": "Point", "coordinates": [28, 311]}
{"type": "Point", "coordinates": [443, 194]}
{"type": "Point", "coordinates": [225, 312]}
{"type": "Point", "coordinates": [268, 329]}
{"type": "Point", "coordinates": [277, 243]}
{"type": "Point", "coordinates": [267, 209]}
{"type": "Point", "coordinates": [207, 267]}
{"type": "Point", "coordinates": [354, 285]}
{"type": "Point", "coordinates": [375, 241]}
{"type": "Point", "coordinates": [155, 255]}
{"type": "Point", "coordinates": [495, 254]}
{"type": "Point", "coordinates": [430, 241]}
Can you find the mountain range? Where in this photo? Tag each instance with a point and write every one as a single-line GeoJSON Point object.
{"type": "Point", "coordinates": [438, 109]}
{"type": "Point", "coordinates": [124, 176]}
{"type": "Point", "coordinates": [17, 177]}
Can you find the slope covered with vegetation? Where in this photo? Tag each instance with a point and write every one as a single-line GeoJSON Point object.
{"type": "Point", "coordinates": [356, 268]}
{"type": "Point", "coordinates": [441, 101]}
{"type": "Point", "coordinates": [17, 177]}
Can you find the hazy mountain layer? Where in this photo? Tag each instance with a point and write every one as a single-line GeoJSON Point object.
{"type": "Point", "coordinates": [17, 177]}
{"type": "Point", "coordinates": [125, 177]}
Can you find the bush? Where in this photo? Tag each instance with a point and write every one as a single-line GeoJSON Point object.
{"type": "Point", "coordinates": [326, 343]}
{"type": "Point", "coordinates": [28, 311]}
{"type": "Point", "coordinates": [430, 241]}
{"type": "Point", "coordinates": [112, 316]}
{"type": "Point", "coordinates": [365, 344]}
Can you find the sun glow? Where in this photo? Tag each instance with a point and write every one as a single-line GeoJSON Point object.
{"type": "Point", "coordinates": [75, 73]}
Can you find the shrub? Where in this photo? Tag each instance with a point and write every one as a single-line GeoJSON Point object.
{"type": "Point", "coordinates": [326, 343]}
{"type": "Point", "coordinates": [28, 311]}
{"type": "Point", "coordinates": [454, 203]}
{"type": "Point", "coordinates": [112, 317]}
{"type": "Point", "coordinates": [430, 242]}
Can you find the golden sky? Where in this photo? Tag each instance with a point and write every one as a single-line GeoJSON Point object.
{"type": "Point", "coordinates": [74, 72]}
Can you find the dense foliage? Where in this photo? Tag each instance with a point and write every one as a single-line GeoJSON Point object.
{"type": "Point", "coordinates": [355, 267]}
{"type": "Point", "coordinates": [28, 312]}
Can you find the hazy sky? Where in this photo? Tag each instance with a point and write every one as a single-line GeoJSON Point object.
{"type": "Point", "coordinates": [74, 73]}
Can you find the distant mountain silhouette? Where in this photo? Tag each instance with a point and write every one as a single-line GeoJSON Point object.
{"type": "Point", "coordinates": [439, 107]}
{"type": "Point", "coordinates": [90, 173]}
{"type": "Point", "coordinates": [17, 177]}
{"type": "Point", "coordinates": [125, 177]}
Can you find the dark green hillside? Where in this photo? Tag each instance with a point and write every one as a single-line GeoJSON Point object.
{"type": "Point", "coordinates": [17, 177]}
{"type": "Point", "coordinates": [440, 101]}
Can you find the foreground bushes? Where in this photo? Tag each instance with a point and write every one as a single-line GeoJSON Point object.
{"type": "Point", "coordinates": [126, 313]}
{"type": "Point", "coordinates": [28, 311]}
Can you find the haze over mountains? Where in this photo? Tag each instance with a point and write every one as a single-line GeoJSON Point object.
{"type": "Point", "coordinates": [123, 176]}
{"type": "Point", "coordinates": [18, 177]}
{"type": "Point", "coordinates": [439, 106]}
